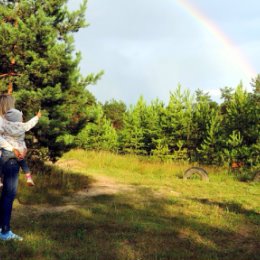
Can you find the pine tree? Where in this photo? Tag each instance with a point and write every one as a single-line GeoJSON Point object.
{"type": "Point", "coordinates": [37, 48]}
{"type": "Point", "coordinates": [203, 110]}
{"type": "Point", "coordinates": [176, 123]}
{"type": "Point", "coordinates": [255, 114]}
{"type": "Point", "coordinates": [234, 152]}
{"type": "Point", "coordinates": [97, 135]}
{"type": "Point", "coordinates": [153, 135]}
{"type": "Point", "coordinates": [131, 137]}
{"type": "Point", "coordinates": [241, 117]}
{"type": "Point", "coordinates": [210, 149]}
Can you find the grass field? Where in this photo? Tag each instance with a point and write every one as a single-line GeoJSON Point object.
{"type": "Point", "coordinates": [101, 206]}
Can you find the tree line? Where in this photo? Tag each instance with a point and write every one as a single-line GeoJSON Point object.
{"type": "Point", "coordinates": [189, 127]}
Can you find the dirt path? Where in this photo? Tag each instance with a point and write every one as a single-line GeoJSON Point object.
{"type": "Point", "coordinates": [101, 186]}
{"type": "Point", "coordinates": [105, 186]}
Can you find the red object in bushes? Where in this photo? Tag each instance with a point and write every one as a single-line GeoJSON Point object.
{"type": "Point", "coordinates": [235, 165]}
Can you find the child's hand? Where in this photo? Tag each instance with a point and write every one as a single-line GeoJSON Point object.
{"type": "Point", "coordinates": [39, 114]}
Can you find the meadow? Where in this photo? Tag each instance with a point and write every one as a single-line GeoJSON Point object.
{"type": "Point", "coordinates": [103, 206]}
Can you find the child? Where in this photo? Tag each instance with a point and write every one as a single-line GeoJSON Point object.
{"type": "Point", "coordinates": [14, 133]}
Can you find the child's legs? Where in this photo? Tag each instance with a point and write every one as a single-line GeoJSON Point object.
{"type": "Point", "coordinates": [23, 164]}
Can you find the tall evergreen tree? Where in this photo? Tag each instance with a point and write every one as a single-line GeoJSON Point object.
{"type": "Point", "coordinates": [241, 118]}
{"type": "Point", "coordinates": [210, 149]}
{"type": "Point", "coordinates": [203, 110]}
{"type": "Point", "coordinates": [153, 134]}
{"type": "Point", "coordinates": [37, 47]}
{"type": "Point", "coordinates": [131, 137]}
{"type": "Point", "coordinates": [255, 113]}
{"type": "Point", "coordinates": [177, 121]}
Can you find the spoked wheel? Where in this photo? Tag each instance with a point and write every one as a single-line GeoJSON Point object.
{"type": "Point", "coordinates": [194, 172]}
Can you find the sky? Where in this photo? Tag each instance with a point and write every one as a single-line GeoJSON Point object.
{"type": "Point", "coordinates": [148, 47]}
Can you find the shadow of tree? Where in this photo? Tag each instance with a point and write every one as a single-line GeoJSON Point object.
{"type": "Point", "coordinates": [231, 207]}
{"type": "Point", "coordinates": [52, 185]}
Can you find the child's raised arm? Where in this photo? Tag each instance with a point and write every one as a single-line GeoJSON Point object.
{"type": "Point", "coordinates": [32, 122]}
{"type": "Point", "coordinates": [39, 114]}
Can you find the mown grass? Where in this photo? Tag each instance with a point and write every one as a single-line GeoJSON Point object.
{"type": "Point", "coordinates": [159, 217]}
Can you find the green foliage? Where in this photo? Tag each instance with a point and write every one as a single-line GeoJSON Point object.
{"type": "Point", "coordinates": [151, 118]}
{"type": "Point", "coordinates": [114, 110]}
{"type": "Point", "coordinates": [209, 150]}
{"type": "Point", "coordinates": [97, 135]}
{"type": "Point", "coordinates": [172, 126]}
{"type": "Point", "coordinates": [241, 124]}
{"type": "Point", "coordinates": [131, 137]}
{"type": "Point", "coordinates": [177, 120]}
{"type": "Point", "coordinates": [195, 129]}
{"type": "Point", "coordinates": [236, 151]}
{"type": "Point", "coordinates": [203, 110]}
{"type": "Point", "coordinates": [46, 67]}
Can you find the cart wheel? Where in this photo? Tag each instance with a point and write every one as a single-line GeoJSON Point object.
{"type": "Point", "coordinates": [257, 176]}
{"type": "Point", "coordinates": [196, 171]}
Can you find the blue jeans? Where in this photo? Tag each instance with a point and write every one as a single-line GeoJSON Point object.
{"type": "Point", "coordinates": [6, 155]}
{"type": "Point", "coordinates": [10, 183]}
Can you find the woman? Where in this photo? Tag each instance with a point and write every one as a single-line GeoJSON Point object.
{"type": "Point", "coordinates": [10, 176]}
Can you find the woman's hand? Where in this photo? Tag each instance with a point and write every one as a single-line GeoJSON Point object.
{"type": "Point", "coordinates": [18, 154]}
{"type": "Point", "coordinates": [23, 154]}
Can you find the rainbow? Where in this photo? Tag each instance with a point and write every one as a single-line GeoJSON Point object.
{"type": "Point", "coordinates": [231, 48]}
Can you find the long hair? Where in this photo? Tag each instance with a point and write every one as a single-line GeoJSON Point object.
{"type": "Point", "coordinates": [7, 102]}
